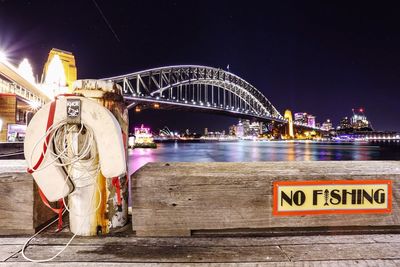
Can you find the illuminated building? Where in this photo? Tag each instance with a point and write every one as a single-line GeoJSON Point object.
{"type": "Point", "coordinates": [344, 124]}
{"type": "Point", "coordinates": [327, 125]}
{"type": "Point", "coordinates": [68, 63]}
{"type": "Point", "coordinates": [205, 131]}
{"type": "Point", "coordinates": [232, 130]}
{"type": "Point", "coordinates": [359, 121]}
{"type": "Point", "coordinates": [246, 127]}
{"type": "Point", "coordinates": [311, 120]}
{"type": "Point", "coordinates": [240, 129]}
{"type": "Point", "coordinates": [301, 117]}
{"type": "Point", "coordinates": [305, 119]}
{"type": "Point", "coordinates": [288, 116]}
{"type": "Point", "coordinates": [15, 111]}
{"type": "Point", "coordinates": [255, 128]}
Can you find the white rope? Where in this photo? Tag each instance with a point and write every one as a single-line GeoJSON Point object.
{"type": "Point", "coordinates": [63, 149]}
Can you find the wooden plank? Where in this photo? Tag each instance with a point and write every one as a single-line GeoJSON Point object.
{"type": "Point", "coordinates": [131, 240]}
{"type": "Point", "coordinates": [17, 202]}
{"type": "Point", "coordinates": [342, 251]}
{"type": "Point", "coordinates": [112, 252]}
{"type": "Point", "coordinates": [171, 199]}
{"type": "Point", "coordinates": [386, 238]}
{"type": "Point", "coordinates": [279, 251]}
{"type": "Point", "coordinates": [364, 263]}
{"type": "Point", "coordinates": [6, 251]}
{"type": "Point", "coordinates": [21, 210]}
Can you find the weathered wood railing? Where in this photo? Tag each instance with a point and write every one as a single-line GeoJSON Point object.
{"type": "Point", "coordinates": [180, 199]}
{"type": "Point", "coordinates": [176, 199]}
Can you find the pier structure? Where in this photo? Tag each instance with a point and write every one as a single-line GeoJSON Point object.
{"type": "Point", "coordinates": [218, 215]}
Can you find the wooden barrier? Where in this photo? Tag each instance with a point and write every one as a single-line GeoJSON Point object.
{"type": "Point", "coordinates": [176, 199]}
{"type": "Point", "coordinates": [21, 210]}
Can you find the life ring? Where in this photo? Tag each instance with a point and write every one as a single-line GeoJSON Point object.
{"type": "Point", "coordinates": [52, 179]}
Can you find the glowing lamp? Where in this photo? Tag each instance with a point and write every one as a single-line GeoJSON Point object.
{"type": "Point", "coordinates": [34, 105]}
{"type": "Point", "coordinates": [3, 56]}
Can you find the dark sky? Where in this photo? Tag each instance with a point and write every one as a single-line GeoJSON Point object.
{"type": "Point", "coordinates": [322, 57]}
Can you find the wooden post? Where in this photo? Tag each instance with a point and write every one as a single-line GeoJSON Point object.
{"type": "Point", "coordinates": [107, 217]}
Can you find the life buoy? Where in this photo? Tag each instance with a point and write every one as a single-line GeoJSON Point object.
{"type": "Point", "coordinates": [52, 179]}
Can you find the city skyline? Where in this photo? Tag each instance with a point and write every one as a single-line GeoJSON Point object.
{"type": "Point", "coordinates": [344, 61]}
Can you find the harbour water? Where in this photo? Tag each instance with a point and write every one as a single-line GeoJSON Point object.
{"type": "Point", "coordinates": [249, 151]}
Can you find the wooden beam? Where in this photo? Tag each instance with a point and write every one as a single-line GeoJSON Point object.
{"type": "Point", "coordinates": [175, 199]}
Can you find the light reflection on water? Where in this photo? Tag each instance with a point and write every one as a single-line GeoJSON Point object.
{"type": "Point", "coordinates": [249, 151]}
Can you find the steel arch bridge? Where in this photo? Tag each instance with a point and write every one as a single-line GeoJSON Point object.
{"type": "Point", "coordinates": [201, 87]}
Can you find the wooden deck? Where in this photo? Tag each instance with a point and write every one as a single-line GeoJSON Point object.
{"type": "Point", "coordinates": [129, 250]}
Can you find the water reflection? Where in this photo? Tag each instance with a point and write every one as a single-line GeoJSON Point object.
{"type": "Point", "coordinates": [262, 151]}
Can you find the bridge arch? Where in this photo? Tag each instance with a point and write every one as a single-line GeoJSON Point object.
{"type": "Point", "coordinates": [197, 86]}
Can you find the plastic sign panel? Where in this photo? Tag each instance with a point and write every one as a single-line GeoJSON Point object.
{"type": "Point", "coordinates": [74, 111]}
{"type": "Point", "coordinates": [331, 197]}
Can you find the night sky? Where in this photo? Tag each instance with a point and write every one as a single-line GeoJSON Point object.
{"type": "Point", "coordinates": [321, 57]}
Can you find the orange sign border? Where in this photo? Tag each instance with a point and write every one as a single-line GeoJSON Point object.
{"type": "Point", "coordinates": [276, 184]}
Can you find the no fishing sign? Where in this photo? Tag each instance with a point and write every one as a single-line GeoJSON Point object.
{"type": "Point", "coordinates": [332, 196]}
